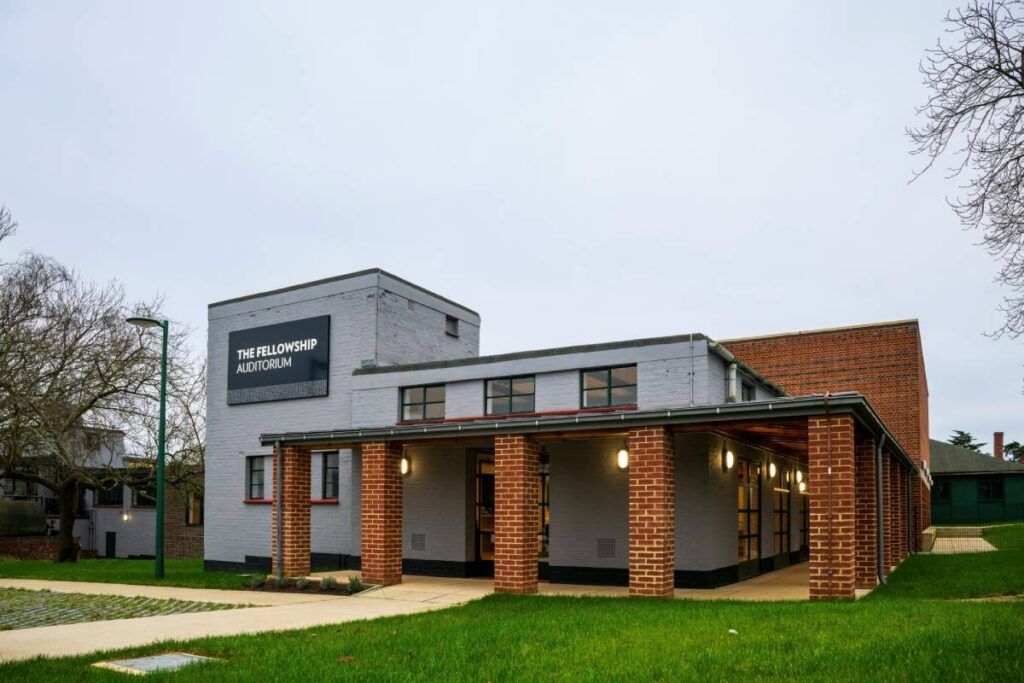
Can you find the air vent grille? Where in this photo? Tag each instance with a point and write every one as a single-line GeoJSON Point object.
{"type": "Point", "coordinates": [419, 541]}
{"type": "Point", "coordinates": [606, 547]}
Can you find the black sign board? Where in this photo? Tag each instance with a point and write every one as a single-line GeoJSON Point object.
{"type": "Point", "coordinates": [282, 361]}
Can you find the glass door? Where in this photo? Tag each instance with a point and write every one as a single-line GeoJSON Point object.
{"type": "Point", "coordinates": [782, 495]}
{"type": "Point", "coordinates": [749, 514]}
{"type": "Point", "coordinates": [485, 509]}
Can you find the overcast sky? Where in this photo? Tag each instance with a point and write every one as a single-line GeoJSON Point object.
{"type": "Point", "coordinates": [575, 171]}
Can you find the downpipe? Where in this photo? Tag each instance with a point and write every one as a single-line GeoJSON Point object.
{"type": "Point", "coordinates": [879, 511]}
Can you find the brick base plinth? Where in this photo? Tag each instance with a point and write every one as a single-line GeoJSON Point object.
{"type": "Point", "coordinates": [652, 507]}
{"type": "Point", "coordinates": [831, 485]}
{"type": "Point", "coordinates": [295, 522]}
{"type": "Point", "coordinates": [516, 463]}
{"type": "Point", "coordinates": [381, 513]}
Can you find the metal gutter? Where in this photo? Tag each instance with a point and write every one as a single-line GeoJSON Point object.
{"type": "Point", "coordinates": [729, 357]}
{"type": "Point", "coordinates": [805, 406]}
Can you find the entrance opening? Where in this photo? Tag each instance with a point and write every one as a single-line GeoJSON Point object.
{"type": "Point", "coordinates": [749, 494]}
{"type": "Point", "coordinates": [782, 498]}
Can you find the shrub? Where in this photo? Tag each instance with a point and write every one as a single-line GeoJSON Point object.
{"type": "Point", "coordinates": [355, 584]}
{"type": "Point", "coordinates": [282, 582]}
{"type": "Point", "coordinates": [328, 583]}
{"type": "Point", "coordinates": [302, 584]}
{"type": "Point", "coordinates": [254, 581]}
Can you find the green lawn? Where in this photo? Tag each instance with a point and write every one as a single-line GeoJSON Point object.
{"type": "Point", "coordinates": [187, 573]}
{"type": "Point", "coordinates": [504, 638]}
{"type": "Point", "coordinates": [1006, 536]}
{"type": "Point", "coordinates": [969, 575]}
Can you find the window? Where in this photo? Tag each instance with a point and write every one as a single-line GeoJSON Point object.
{"type": "Point", "coordinates": [330, 486]}
{"type": "Point", "coordinates": [451, 326]}
{"type": "Point", "coordinates": [781, 494]}
{"type": "Point", "coordinates": [254, 477]}
{"type": "Point", "coordinates": [990, 489]}
{"type": "Point", "coordinates": [112, 495]}
{"type": "Point", "coordinates": [510, 395]}
{"type": "Point", "coordinates": [193, 509]}
{"type": "Point", "coordinates": [423, 403]}
{"type": "Point", "coordinates": [608, 387]}
{"type": "Point", "coordinates": [144, 496]}
{"type": "Point", "coordinates": [747, 392]}
{"type": "Point", "coordinates": [940, 491]}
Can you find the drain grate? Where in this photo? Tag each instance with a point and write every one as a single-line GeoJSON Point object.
{"type": "Point", "coordinates": [140, 666]}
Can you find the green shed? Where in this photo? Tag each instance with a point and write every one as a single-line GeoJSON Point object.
{"type": "Point", "coordinates": [974, 488]}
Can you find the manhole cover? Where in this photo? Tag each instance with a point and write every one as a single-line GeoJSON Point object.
{"type": "Point", "coordinates": [140, 666]}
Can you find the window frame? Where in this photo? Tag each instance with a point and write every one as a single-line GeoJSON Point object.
{"type": "Point", "coordinates": [249, 460]}
{"type": "Point", "coordinates": [189, 497]}
{"type": "Point", "coordinates": [451, 326]}
{"type": "Point", "coordinates": [97, 493]}
{"type": "Point", "coordinates": [990, 480]}
{"type": "Point", "coordinates": [510, 395]}
{"type": "Point", "coordinates": [745, 389]}
{"type": "Point", "coordinates": [609, 387]}
{"type": "Point", "coordinates": [136, 490]}
{"type": "Point", "coordinates": [941, 487]}
{"type": "Point", "coordinates": [424, 403]}
{"type": "Point", "coordinates": [326, 456]}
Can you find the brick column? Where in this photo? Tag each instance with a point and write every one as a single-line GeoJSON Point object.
{"type": "Point", "coordinates": [902, 525]}
{"type": "Point", "coordinates": [867, 514]}
{"type": "Point", "coordinates": [381, 513]}
{"type": "Point", "coordinates": [295, 527]}
{"type": "Point", "coordinates": [516, 522]}
{"type": "Point", "coordinates": [652, 512]}
{"type": "Point", "coordinates": [832, 530]}
{"type": "Point", "coordinates": [888, 470]}
{"type": "Point", "coordinates": [922, 507]}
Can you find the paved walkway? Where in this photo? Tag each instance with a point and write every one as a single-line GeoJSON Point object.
{"type": "Point", "coordinates": [790, 583]}
{"type": "Point", "coordinates": [284, 611]}
{"type": "Point", "coordinates": [967, 544]}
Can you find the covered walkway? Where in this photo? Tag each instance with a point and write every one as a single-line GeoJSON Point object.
{"type": "Point", "coordinates": [790, 583]}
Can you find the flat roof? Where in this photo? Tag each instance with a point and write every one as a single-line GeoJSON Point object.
{"type": "Point", "coordinates": [337, 278]}
{"type": "Point", "coordinates": [537, 353]}
{"type": "Point", "coordinates": [824, 330]}
{"type": "Point", "coordinates": [848, 403]}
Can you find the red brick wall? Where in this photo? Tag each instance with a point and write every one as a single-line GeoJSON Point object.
{"type": "Point", "coordinates": [884, 362]}
{"type": "Point", "coordinates": [889, 503]}
{"type": "Point", "coordinates": [831, 500]}
{"type": "Point", "coordinates": [516, 463]}
{"type": "Point", "coordinates": [181, 541]}
{"type": "Point", "coordinates": [867, 513]}
{"type": "Point", "coordinates": [294, 510]}
{"type": "Point", "coordinates": [651, 512]}
{"type": "Point", "coordinates": [381, 517]}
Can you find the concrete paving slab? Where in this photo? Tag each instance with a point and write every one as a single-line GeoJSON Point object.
{"type": "Point", "coordinates": [76, 639]}
{"type": "Point", "coordinates": [952, 546]}
{"type": "Point", "coordinates": [167, 592]}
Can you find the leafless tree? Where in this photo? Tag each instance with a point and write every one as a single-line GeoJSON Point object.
{"type": "Point", "coordinates": [976, 113]}
{"type": "Point", "coordinates": [73, 375]}
{"type": "Point", "coordinates": [7, 223]}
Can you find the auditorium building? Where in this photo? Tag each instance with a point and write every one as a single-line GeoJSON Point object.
{"type": "Point", "coordinates": [352, 423]}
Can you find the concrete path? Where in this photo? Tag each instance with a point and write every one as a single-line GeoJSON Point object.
{"type": "Point", "coordinates": [968, 544]}
{"type": "Point", "coordinates": [287, 611]}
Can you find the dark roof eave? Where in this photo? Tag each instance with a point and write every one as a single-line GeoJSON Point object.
{"type": "Point", "coordinates": [804, 406]}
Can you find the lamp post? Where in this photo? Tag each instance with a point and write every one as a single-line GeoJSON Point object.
{"type": "Point", "coordinates": [160, 456]}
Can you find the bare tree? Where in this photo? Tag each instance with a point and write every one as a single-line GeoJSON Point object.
{"type": "Point", "coordinates": [976, 113]}
{"type": "Point", "coordinates": [7, 223]}
{"type": "Point", "coordinates": [72, 373]}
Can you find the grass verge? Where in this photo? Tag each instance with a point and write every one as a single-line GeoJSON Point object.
{"type": "Point", "coordinates": [967, 575]}
{"type": "Point", "coordinates": [1006, 536]}
{"type": "Point", "coordinates": [503, 638]}
{"type": "Point", "coordinates": [186, 573]}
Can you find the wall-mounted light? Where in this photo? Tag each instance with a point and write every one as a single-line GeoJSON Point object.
{"type": "Point", "coordinates": [799, 477]}
{"type": "Point", "coordinates": [728, 460]}
{"type": "Point", "coordinates": [124, 515]}
{"type": "Point", "coordinates": [802, 486]}
{"type": "Point", "coordinates": [405, 466]}
{"type": "Point", "coordinates": [771, 470]}
{"type": "Point", "coordinates": [622, 459]}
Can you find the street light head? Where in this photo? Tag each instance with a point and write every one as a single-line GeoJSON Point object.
{"type": "Point", "coordinates": [145, 322]}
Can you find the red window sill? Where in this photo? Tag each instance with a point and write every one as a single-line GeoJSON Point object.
{"type": "Point", "coordinates": [323, 501]}
{"type": "Point", "coordinates": [257, 501]}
